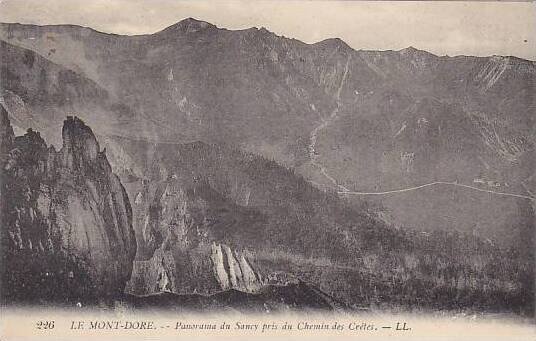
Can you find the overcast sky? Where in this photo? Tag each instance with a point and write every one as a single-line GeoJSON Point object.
{"type": "Point", "coordinates": [452, 28]}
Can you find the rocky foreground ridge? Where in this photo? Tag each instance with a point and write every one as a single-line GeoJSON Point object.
{"type": "Point", "coordinates": [68, 237]}
{"type": "Point", "coordinates": [66, 218]}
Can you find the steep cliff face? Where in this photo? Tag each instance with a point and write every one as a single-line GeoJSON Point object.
{"type": "Point", "coordinates": [201, 270]}
{"type": "Point", "coordinates": [233, 270]}
{"type": "Point", "coordinates": [66, 219]}
{"type": "Point", "coordinates": [180, 249]}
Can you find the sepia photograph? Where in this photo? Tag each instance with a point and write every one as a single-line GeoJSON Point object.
{"type": "Point", "coordinates": [243, 170]}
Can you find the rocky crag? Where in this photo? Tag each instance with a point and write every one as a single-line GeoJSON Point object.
{"type": "Point", "coordinates": [179, 249]}
{"type": "Point", "coordinates": [66, 219]}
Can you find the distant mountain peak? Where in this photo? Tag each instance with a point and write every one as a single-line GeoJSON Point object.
{"type": "Point", "coordinates": [334, 43]}
{"type": "Point", "coordinates": [193, 21]}
{"type": "Point", "coordinates": [189, 25]}
{"type": "Point", "coordinates": [412, 51]}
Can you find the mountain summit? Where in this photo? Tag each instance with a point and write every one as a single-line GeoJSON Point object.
{"type": "Point", "coordinates": [188, 25]}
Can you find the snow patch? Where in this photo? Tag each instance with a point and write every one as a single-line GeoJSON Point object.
{"type": "Point", "coordinates": [492, 72]}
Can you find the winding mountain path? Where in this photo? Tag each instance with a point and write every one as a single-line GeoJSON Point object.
{"type": "Point", "coordinates": [435, 183]}
{"type": "Point", "coordinates": [324, 123]}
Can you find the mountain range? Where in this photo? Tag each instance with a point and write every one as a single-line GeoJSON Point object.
{"type": "Point", "coordinates": [283, 159]}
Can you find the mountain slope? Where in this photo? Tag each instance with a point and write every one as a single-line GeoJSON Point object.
{"type": "Point", "coordinates": [267, 93]}
{"type": "Point", "coordinates": [38, 94]}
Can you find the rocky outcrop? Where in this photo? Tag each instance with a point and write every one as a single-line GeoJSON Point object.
{"type": "Point", "coordinates": [66, 217]}
{"type": "Point", "coordinates": [233, 271]}
{"type": "Point", "coordinates": [201, 270]}
{"type": "Point", "coordinates": [180, 249]}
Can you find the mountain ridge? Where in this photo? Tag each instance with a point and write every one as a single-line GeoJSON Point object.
{"type": "Point", "coordinates": [194, 21]}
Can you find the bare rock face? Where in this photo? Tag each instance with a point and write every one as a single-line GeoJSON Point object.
{"type": "Point", "coordinates": [66, 217]}
{"type": "Point", "coordinates": [178, 249]}
{"type": "Point", "coordinates": [233, 271]}
{"type": "Point", "coordinates": [202, 270]}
